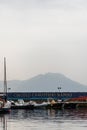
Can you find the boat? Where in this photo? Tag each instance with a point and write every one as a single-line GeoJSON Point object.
{"type": "Point", "coordinates": [81, 101]}
{"type": "Point", "coordinates": [5, 105]}
{"type": "Point", "coordinates": [42, 105]}
{"type": "Point", "coordinates": [20, 104]}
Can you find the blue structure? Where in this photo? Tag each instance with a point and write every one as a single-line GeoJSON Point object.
{"type": "Point", "coordinates": [44, 95]}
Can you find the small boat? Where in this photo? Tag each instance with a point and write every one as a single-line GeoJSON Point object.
{"type": "Point", "coordinates": [20, 104]}
{"type": "Point", "coordinates": [5, 106]}
{"type": "Point", "coordinates": [42, 105]}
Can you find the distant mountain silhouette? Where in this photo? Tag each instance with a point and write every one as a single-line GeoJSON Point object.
{"type": "Point", "coordinates": [49, 82]}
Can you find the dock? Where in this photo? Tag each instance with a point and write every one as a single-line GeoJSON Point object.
{"type": "Point", "coordinates": [69, 105]}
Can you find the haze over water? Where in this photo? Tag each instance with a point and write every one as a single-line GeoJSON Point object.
{"type": "Point", "coordinates": [40, 36]}
{"type": "Point", "coordinates": [44, 120]}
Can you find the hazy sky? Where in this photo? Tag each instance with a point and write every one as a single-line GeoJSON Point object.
{"type": "Point", "coordinates": [40, 36]}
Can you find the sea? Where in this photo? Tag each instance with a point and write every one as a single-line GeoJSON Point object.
{"type": "Point", "coordinates": [50, 119]}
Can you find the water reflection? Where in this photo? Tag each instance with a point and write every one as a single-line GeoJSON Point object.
{"type": "Point", "coordinates": [50, 114]}
{"type": "Point", "coordinates": [3, 122]}
{"type": "Point", "coordinates": [51, 119]}
{"type": "Point", "coordinates": [75, 114]}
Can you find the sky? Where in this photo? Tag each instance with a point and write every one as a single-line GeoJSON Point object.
{"type": "Point", "coordinates": [41, 36]}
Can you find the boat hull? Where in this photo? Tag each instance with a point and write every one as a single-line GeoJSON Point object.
{"type": "Point", "coordinates": [22, 107]}
{"type": "Point", "coordinates": [4, 110]}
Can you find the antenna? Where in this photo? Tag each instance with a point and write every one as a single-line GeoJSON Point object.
{"type": "Point", "coordinates": [5, 80]}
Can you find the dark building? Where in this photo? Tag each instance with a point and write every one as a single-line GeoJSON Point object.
{"type": "Point", "coordinates": [44, 95]}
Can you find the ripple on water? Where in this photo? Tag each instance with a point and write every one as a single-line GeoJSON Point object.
{"type": "Point", "coordinates": [44, 120]}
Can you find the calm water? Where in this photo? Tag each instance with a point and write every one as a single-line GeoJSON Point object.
{"type": "Point", "coordinates": [44, 120]}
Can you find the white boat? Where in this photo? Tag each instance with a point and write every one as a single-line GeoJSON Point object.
{"type": "Point", "coordinates": [42, 105]}
{"type": "Point", "coordinates": [5, 107]}
{"type": "Point", "coordinates": [20, 104]}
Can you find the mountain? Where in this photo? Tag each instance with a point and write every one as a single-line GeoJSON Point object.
{"type": "Point", "coordinates": [49, 82]}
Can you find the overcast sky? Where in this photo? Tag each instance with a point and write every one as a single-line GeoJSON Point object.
{"type": "Point", "coordinates": [40, 36]}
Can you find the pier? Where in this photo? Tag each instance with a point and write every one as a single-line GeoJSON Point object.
{"type": "Point", "coordinates": [69, 105]}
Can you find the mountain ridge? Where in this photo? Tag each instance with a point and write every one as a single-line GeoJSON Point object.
{"type": "Point", "coordinates": [49, 82]}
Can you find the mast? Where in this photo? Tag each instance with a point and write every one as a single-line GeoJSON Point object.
{"type": "Point", "coordinates": [5, 80]}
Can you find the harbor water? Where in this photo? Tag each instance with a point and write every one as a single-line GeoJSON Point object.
{"type": "Point", "coordinates": [44, 120]}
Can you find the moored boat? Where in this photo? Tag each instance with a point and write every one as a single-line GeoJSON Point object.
{"type": "Point", "coordinates": [5, 106]}
{"type": "Point", "coordinates": [43, 105]}
{"type": "Point", "coordinates": [20, 104]}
